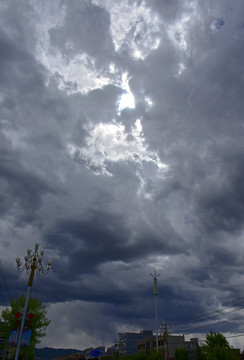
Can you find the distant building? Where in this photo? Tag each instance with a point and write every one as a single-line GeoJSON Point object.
{"type": "Point", "coordinates": [89, 353]}
{"type": "Point", "coordinates": [73, 356]}
{"type": "Point", "coordinates": [128, 341]}
{"type": "Point", "coordinates": [3, 341]}
{"type": "Point", "coordinates": [94, 352]}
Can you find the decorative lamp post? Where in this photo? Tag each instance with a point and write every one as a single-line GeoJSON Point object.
{"type": "Point", "coordinates": [155, 292]}
{"type": "Point", "coordinates": [33, 263]}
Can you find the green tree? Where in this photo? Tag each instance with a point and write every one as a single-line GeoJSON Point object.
{"type": "Point", "coordinates": [221, 353]}
{"type": "Point", "coordinates": [155, 355]}
{"type": "Point", "coordinates": [181, 354]}
{"type": "Point", "coordinates": [216, 348]}
{"type": "Point", "coordinates": [199, 353]}
{"type": "Point", "coordinates": [213, 339]}
{"type": "Point", "coordinates": [140, 356]}
{"type": "Point", "coordinates": [38, 323]}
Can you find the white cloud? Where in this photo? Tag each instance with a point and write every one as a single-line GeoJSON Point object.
{"type": "Point", "coordinates": [133, 26]}
{"type": "Point", "coordinates": [111, 143]}
{"type": "Point", "coordinates": [74, 72]}
{"type": "Point", "coordinates": [149, 101]}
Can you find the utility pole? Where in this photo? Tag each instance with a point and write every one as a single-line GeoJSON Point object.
{"type": "Point", "coordinates": [155, 292]}
{"type": "Point", "coordinates": [165, 335]}
{"type": "Point", "coordinates": [33, 263]}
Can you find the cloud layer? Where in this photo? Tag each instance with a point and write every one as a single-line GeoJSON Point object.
{"type": "Point", "coordinates": [122, 152]}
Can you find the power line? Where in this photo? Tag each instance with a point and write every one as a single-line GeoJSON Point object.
{"type": "Point", "coordinates": [211, 313]}
{"type": "Point", "coordinates": [208, 315]}
{"type": "Point", "coordinates": [228, 337]}
{"type": "Point", "coordinates": [204, 322]}
{"type": "Point", "coordinates": [215, 316]}
{"type": "Point", "coordinates": [187, 330]}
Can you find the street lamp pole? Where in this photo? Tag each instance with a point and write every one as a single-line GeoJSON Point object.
{"type": "Point", "coordinates": [155, 292]}
{"type": "Point", "coordinates": [33, 263]}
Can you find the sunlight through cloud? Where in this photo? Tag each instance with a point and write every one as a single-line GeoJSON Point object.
{"type": "Point", "coordinates": [126, 100]}
{"type": "Point", "coordinates": [111, 143]}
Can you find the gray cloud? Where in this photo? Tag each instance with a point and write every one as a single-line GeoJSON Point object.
{"type": "Point", "coordinates": [85, 30]}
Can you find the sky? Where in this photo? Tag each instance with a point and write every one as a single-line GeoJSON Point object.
{"type": "Point", "coordinates": [122, 153]}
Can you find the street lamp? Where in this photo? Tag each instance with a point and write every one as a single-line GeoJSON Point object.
{"type": "Point", "coordinates": [32, 265]}
{"type": "Point", "coordinates": [155, 292]}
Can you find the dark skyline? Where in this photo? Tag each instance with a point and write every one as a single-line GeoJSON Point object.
{"type": "Point", "coordinates": [122, 153]}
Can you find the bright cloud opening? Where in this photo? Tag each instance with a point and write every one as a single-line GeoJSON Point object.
{"type": "Point", "coordinates": [149, 101]}
{"type": "Point", "coordinates": [111, 143]}
{"type": "Point", "coordinates": [181, 68]}
{"type": "Point", "coordinates": [127, 99]}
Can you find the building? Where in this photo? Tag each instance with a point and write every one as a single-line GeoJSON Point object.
{"type": "Point", "coordinates": [191, 346]}
{"type": "Point", "coordinates": [172, 343]}
{"type": "Point", "coordinates": [112, 350]}
{"type": "Point", "coordinates": [128, 341]}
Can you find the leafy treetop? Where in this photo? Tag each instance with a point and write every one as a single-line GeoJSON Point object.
{"type": "Point", "coordinates": [37, 323]}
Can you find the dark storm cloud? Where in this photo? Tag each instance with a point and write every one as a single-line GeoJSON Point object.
{"type": "Point", "coordinates": [21, 185]}
{"type": "Point", "coordinates": [22, 190]}
{"type": "Point", "coordinates": [101, 237]}
{"type": "Point", "coordinates": [220, 200]}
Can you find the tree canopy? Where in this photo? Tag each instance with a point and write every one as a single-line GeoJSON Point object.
{"type": "Point", "coordinates": [216, 348]}
{"type": "Point", "coordinates": [37, 321]}
{"type": "Point", "coordinates": [216, 339]}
